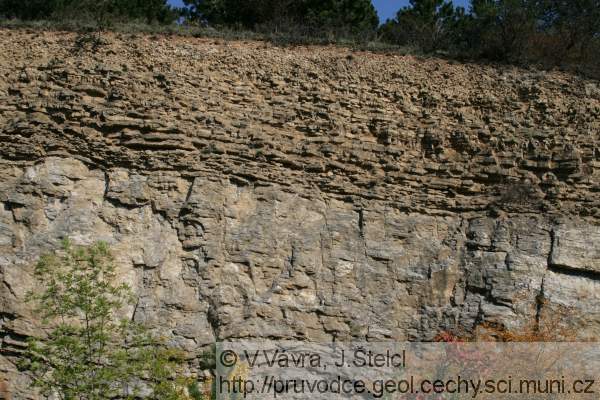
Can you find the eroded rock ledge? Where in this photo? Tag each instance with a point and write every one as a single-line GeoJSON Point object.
{"type": "Point", "coordinates": [308, 193]}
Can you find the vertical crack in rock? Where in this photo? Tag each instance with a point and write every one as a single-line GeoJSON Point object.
{"type": "Point", "coordinates": [540, 301]}
{"type": "Point", "coordinates": [106, 185]}
{"type": "Point", "coordinates": [189, 193]}
{"type": "Point", "coordinates": [553, 244]}
{"type": "Point", "coordinates": [213, 319]}
{"type": "Point", "coordinates": [361, 222]}
{"type": "Point", "coordinates": [292, 261]}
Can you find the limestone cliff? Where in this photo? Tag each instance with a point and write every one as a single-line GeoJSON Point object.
{"type": "Point", "coordinates": [309, 193]}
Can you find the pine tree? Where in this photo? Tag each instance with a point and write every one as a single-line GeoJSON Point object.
{"type": "Point", "coordinates": [325, 15]}
{"type": "Point", "coordinates": [503, 28]}
{"type": "Point", "coordinates": [427, 24]}
{"type": "Point", "coordinates": [575, 22]}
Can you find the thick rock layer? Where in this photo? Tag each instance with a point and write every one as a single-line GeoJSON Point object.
{"type": "Point", "coordinates": [320, 194]}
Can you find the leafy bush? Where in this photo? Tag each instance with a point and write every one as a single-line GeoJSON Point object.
{"type": "Point", "coordinates": [90, 352]}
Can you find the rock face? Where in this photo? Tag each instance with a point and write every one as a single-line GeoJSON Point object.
{"type": "Point", "coordinates": [249, 191]}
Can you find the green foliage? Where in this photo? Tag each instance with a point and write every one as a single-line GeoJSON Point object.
{"type": "Point", "coordinates": [548, 32]}
{"type": "Point", "coordinates": [315, 16]}
{"type": "Point", "coordinates": [240, 13]}
{"type": "Point", "coordinates": [354, 15]}
{"type": "Point", "coordinates": [208, 358]}
{"type": "Point", "coordinates": [101, 12]}
{"type": "Point", "coordinates": [27, 9]}
{"type": "Point", "coordinates": [576, 25]}
{"type": "Point", "coordinates": [195, 392]}
{"type": "Point", "coordinates": [504, 27]}
{"type": "Point", "coordinates": [427, 24]}
{"type": "Point", "coordinates": [90, 353]}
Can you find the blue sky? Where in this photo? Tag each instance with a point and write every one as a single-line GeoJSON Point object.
{"type": "Point", "coordinates": [385, 8]}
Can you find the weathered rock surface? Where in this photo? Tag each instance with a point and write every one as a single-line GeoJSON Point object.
{"type": "Point", "coordinates": [314, 193]}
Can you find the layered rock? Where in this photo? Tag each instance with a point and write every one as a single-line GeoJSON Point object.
{"type": "Point", "coordinates": [250, 191]}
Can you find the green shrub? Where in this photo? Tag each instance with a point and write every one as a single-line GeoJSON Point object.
{"type": "Point", "coordinates": [90, 351]}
